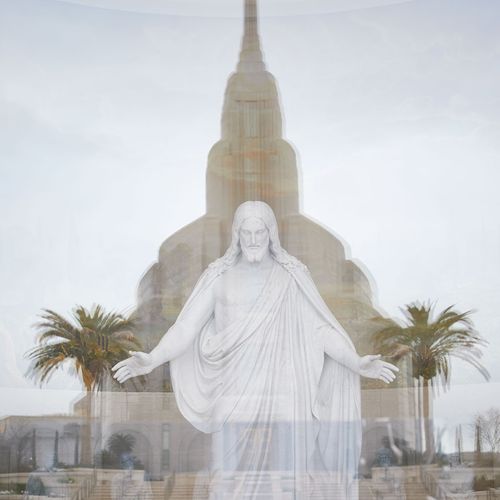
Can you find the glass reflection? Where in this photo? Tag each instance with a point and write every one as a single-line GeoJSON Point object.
{"type": "Point", "coordinates": [132, 441]}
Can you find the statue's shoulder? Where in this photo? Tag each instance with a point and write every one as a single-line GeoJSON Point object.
{"type": "Point", "coordinates": [217, 268]}
{"type": "Point", "coordinates": [291, 263]}
{"type": "Point", "coordinates": [209, 276]}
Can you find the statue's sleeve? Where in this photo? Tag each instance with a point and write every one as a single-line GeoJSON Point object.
{"type": "Point", "coordinates": [205, 281]}
{"type": "Point", "coordinates": [338, 398]}
{"type": "Point", "coordinates": [193, 393]}
{"type": "Point", "coordinates": [325, 316]}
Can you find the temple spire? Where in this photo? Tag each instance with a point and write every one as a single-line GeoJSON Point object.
{"type": "Point", "coordinates": [250, 55]}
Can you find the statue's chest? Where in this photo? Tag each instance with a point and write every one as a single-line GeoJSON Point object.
{"type": "Point", "coordinates": [236, 296]}
{"type": "Point", "coordinates": [241, 290]}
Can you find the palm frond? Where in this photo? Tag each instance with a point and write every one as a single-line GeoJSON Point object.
{"type": "Point", "coordinates": [93, 342]}
{"type": "Point", "coordinates": [431, 341]}
{"type": "Point", "coordinates": [53, 325]}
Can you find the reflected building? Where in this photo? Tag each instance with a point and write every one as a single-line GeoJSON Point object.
{"type": "Point", "coordinates": [251, 161]}
{"type": "Point", "coordinates": [39, 442]}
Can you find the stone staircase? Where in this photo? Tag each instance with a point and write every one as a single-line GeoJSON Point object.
{"type": "Point", "coordinates": [154, 490]}
{"type": "Point", "coordinates": [102, 491]}
{"type": "Point", "coordinates": [158, 490]}
{"type": "Point", "coordinates": [365, 491]}
{"type": "Point", "coordinates": [187, 487]}
{"type": "Point", "coordinates": [410, 490]}
{"type": "Point", "coordinates": [415, 491]}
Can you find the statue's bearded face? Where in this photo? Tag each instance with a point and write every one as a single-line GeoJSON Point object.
{"type": "Point", "coordinates": [254, 239]}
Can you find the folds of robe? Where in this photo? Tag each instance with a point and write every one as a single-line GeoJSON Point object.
{"type": "Point", "coordinates": [274, 403]}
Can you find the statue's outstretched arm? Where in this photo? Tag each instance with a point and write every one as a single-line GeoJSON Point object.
{"type": "Point", "coordinates": [338, 349]}
{"type": "Point", "coordinates": [175, 341]}
{"type": "Point", "coordinates": [370, 366]}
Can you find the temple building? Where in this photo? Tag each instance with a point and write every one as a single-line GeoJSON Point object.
{"type": "Point", "coordinates": [251, 161]}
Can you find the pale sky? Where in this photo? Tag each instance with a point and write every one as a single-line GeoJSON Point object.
{"type": "Point", "coordinates": [107, 116]}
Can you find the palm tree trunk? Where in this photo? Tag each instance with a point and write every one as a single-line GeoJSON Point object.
{"type": "Point", "coordinates": [429, 434]}
{"type": "Point", "coordinates": [55, 459]}
{"type": "Point", "coordinates": [86, 432]}
{"type": "Point", "coordinates": [76, 459]}
{"type": "Point", "coordinates": [33, 449]}
{"type": "Point", "coordinates": [419, 424]}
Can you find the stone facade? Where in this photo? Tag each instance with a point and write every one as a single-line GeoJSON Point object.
{"type": "Point", "coordinates": [31, 441]}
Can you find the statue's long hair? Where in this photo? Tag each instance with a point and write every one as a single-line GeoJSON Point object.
{"type": "Point", "coordinates": [264, 212]}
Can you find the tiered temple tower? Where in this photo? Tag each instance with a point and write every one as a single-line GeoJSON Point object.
{"type": "Point", "coordinates": [252, 161]}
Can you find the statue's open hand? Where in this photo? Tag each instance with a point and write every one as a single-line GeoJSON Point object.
{"type": "Point", "coordinates": [372, 366]}
{"type": "Point", "coordinates": [140, 363]}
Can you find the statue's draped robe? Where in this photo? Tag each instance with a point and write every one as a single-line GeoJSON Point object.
{"type": "Point", "coordinates": [273, 401]}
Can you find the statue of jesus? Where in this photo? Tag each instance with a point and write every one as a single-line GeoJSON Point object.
{"type": "Point", "coordinates": [258, 360]}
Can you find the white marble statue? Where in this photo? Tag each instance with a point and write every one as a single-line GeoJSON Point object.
{"type": "Point", "coordinates": [258, 360]}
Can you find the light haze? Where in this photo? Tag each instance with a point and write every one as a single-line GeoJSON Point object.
{"type": "Point", "coordinates": [108, 116]}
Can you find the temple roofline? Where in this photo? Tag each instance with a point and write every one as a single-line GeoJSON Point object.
{"type": "Point", "coordinates": [251, 59]}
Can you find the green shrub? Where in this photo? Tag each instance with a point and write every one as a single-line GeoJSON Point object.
{"type": "Point", "coordinates": [13, 488]}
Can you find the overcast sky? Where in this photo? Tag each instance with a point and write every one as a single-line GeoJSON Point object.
{"type": "Point", "coordinates": [107, 116]}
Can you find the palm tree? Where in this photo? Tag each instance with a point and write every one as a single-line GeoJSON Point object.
{"type": "Point", "coordinates": [431, 340]}
{"type": "Point", "coordinates": [93, 341]}
{"type": "Point", "coordinates": [121, 446]}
